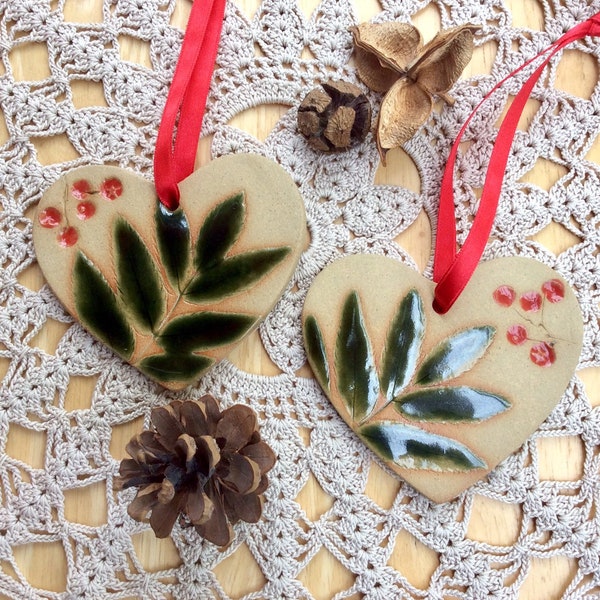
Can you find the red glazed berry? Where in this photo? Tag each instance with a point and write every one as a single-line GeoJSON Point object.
{"type": "Point", "coordinates": [554, 290]}
{"type": "Point", "coordinates": [504, 295]}
{"type": "Point", "coordinates": [111, 188]}
{"type": "Point", "coordinates": [50, 217]}
{"type": "Point", "coordinates": [542, 354]}
{"type": "Point", "coordinates": [516, 334]}
{"type": "Point", "coordinates": [81, 189]}
{"type": "Point", "coordinates": [86, 210]}
{"type": "Point", "coordinates": [531, 301]}
{"type": "Point", "coordinates": [67, 237]}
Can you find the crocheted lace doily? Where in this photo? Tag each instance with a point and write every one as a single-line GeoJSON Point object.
{"type": "Point", "coordinates": [264, 59]}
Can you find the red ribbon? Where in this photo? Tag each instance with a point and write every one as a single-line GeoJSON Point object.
{"type": "Point", "coordinates": [179, 131]}
{"type": "Point", "coordinates": [451, 269]}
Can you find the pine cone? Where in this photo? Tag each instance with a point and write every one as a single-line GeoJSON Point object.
{"type": "Point", "coordinates": [208, 465]}
{"type": "Point", "coordinates": [334, 117]}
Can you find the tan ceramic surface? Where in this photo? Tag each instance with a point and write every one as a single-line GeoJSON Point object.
{"type": "Point", "coordinates": [504, 370]}
{"type": "Point", "coordinates": [274, 218]}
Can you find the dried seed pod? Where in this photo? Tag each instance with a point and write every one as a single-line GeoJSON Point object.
{"type": "Point", "coordinates": [334, 117]}
{"type": "Point", "coordinates": [384, 52]}
{"type": "Point", "coordinates": [391, 59]}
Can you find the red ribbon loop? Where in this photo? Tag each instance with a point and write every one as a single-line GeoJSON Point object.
{"type": "Point", "coordinates": [452, 270]}
{"type": "Point", "coordinates": [180, 127]}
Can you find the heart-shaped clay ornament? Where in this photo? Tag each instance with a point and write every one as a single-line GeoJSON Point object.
{"type": "Point", "coordinates": [442, 398]}
{"type": "Point", "coordinates": [171, 292]}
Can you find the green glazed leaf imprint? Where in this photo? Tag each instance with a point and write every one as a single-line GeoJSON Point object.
{"type": "Point", "coordinates": [234, 274]}
{"type": "Point", "coordinates": [315, 350]}
{"type": "Point", "coordinates": [174, 367]}
{"type": "Point", "coordinates": [414, 448]}
{"type": "Point", "coordinates": [455, 355]}
{"type": "Point", "coordinates": [356, 374]}
{"type": "Point", "coordinates": [138, 280]}
{"type": "Point", "coordinates": [201, 330]}
{"type": "Point", "coordinates": [98, 308]}
{"type": "Point", "coordinates": [451, 404]}
{"type": "Point", "coordinates": [219, 232]}
{"type": "Point", "coordinates": [173, 236]}
{"type": "Point", "coordinates": [403, 345]}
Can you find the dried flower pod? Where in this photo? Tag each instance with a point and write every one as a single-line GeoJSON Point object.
{"type": "Point", "coordinates": [383, 52]}
{"type": "Point", "coordinates": [334, 117]}
{"type": "Point", "coordinates": [207, 465]}
{"type": "Point", "coordinates": [390, 59]}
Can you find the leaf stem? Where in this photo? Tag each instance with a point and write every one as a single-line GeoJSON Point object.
{"type": "Point", "coordinates": [374, 413]}
{"type": "Point", "coordinates": [156, 332]}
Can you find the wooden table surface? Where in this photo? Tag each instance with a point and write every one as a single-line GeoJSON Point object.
{"type": "Point", "coordinates": [492, 522]}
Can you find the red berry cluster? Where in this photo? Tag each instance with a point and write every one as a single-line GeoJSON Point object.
{"type": "Point", "coordinates": [553, 291]}
{"type": "Point", "coordinates": [50, 218]}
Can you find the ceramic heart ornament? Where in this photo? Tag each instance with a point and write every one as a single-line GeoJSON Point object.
{"type": "Point", "coordinates": [171, 292]}
{"type": "Point", "coordinates": [442, 398]}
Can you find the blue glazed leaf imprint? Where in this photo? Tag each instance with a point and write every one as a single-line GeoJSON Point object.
{"type": "Point", "coordinates": [358, 387]}
{"type": "Point", "coordinates": [450, 404]}
{"type": "Point", "coordinates": [403, 345]}
{"type": "Point", "coordinates": [414, 448]}
{"type": "Point", "coordinates": [357, 379]}
{"type": "Point", "coordinates": [455, 355]}
{"type": "Point", "coordinates": [315, 350]}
